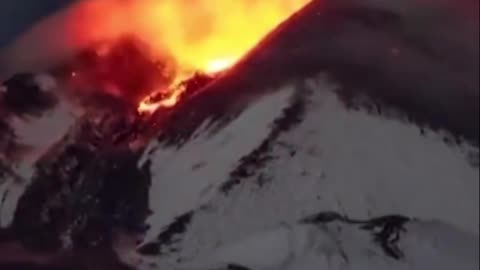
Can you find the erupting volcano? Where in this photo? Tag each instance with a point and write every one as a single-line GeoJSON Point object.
{"type": "Point", "coordinates": [199, 36]}
{"type": "Point", "coordinates": [242, 134]}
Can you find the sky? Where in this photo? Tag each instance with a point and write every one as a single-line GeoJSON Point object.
{"type": "Point", "coordinates": [17, 16]}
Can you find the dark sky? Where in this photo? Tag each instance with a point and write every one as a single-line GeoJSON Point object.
{"type": "Point", "coordinates": [18, 15]}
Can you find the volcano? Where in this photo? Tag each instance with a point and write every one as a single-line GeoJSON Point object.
{"type": "Point", "coordinates": [346, 139]}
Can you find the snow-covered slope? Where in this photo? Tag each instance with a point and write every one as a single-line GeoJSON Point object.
{"type": "Point", "coordinates": [348, 107]}
{"type": "Point", "coordinates": [359, 163]}
{"type": "Point", "coordinates": [339, 245]}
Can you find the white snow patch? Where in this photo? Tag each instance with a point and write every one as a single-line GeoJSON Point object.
{"type": "Point", "coordinates": [41, 133]}
{"type": "Point", "coordinates": [434, 245]}
{"type": "Point", "coordinates": [12, 187]}
{"type": "Point", "coordinates": [352, 162]}
{"type": "Point", "coordinates": [185, 178]}
{"type": "Point", "coordinates": [264, 250]}
{"type": "Point", "coordinates": [46, 82]}
{"type": "Point", "coordinates": [340, 246]}
{"type": "Point", "coordinates": [10, 193]}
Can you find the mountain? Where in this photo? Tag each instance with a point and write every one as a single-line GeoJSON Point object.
{"type": "Point", "coordinates": [347, 139]}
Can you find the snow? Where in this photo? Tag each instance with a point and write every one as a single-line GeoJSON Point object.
{"type": "Point", "coordinates": [38, 134]}
{"type": "Point", "coordinates": [427, 245]}
{"type": "Point", "coordinates": [10, 193]}
{"type": "Point", "coordinates": [356, 163]}
{"type": "Point", "coordinates": [46, 82]}
{"type": "Point", "coordinates": [11, 189]}
{"type": "Point", "coordinates": [188, 177]}
{"type": "Point", "coordinates": [264, 250]}
{"type": "Point", "coordinates": [42, 132]}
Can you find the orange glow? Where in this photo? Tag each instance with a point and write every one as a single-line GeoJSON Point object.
{"type": "Point", "coordinates": [148, 107]}
{"type": "Point", "coordinates": [218, 65]}
{"type": "Point", "coordinates": [200, 35]}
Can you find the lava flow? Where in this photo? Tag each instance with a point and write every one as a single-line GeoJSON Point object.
{"type": "Point", "coordinates": [199, 35]}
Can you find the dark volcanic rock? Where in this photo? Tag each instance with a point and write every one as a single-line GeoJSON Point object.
{"type": "Point", "coordinates": [385, 230]}
{"type": "Point", "coordinates": [168, 237]}
{"type": "Point", "coordinates": [24, 96]}
{"type": "Point", "coordinates": [84, 188]}
{"type": "Point", "coordinates": [83, 193]}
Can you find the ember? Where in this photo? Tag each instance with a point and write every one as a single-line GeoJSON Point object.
{"type": "Point", "coordinates": [185, 88]}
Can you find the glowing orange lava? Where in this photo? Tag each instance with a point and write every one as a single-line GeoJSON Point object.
{"type": "Point", "coordinates": [148, 107]}
{"type": "Point", "coordinates": [201, 35]}
{"type": "Point", "coordinates": [219, 65]}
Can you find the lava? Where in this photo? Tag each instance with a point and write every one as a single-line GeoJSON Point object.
{"type": "Point", "coordinates": [147, 106]}
{"type": "Point", "coordinates": [219, 65]}
{"type": "Point", "coordinates": [200, 35]}
{"type": "Point", "coordinates": [185, 88]}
